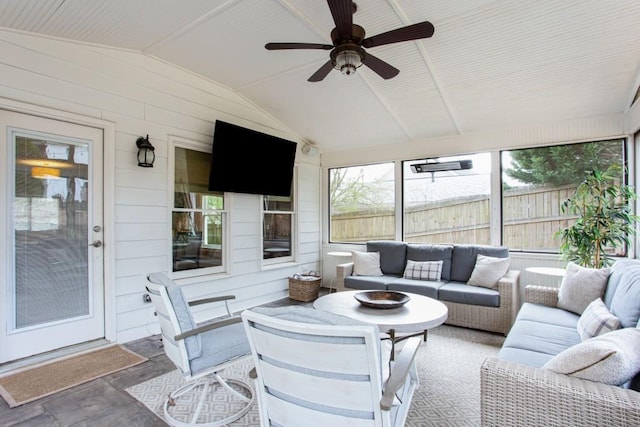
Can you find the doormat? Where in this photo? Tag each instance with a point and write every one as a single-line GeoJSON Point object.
{"type": "Point", "coordinates": [47, 378]}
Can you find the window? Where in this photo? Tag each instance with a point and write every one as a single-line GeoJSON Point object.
{"type": "Point", "coordinates": [447, 206]}
{"type": "Point", "coordinates": [362, 203]}
{"type": "Point", "coordinates": [535, 182]}
{"type": "Point", "coordinates": [277, 229]}
{"type": "Point", "coordinates": [198, 214]}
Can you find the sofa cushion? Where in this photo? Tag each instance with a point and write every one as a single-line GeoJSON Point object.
{"type": "Point", "coordinates": [377, 283]}
{"type": "Point", "coordinates": [488, 271]}
{"type": "Point", "coordinates": [423, 270]}
{"type": "Point", "coordinates": [393, 255]}
{"type": "Point", "coordinates": [539, 337]}
{"type": "Point", "coordinates": [596, 320]}
{"type": "Point", "coordinates": [464, 294]}
{"type": "Point", "coordinates": [463, 259]}
{"type": "Point", "coordinates": [545, 314]}
{"type": "Point", "coordinates": [524, 356]}
{"type": "Point", "coordinates": [623, 292]}
{"type": "Point", "coordinates": [580, 286]}
{"type": "Point", "coordinates": [424, 252]}
{"type": "Point", "coordinates": [366, 263]}
{"type": "Point", "coordinates": [611, 358]}
{"type": "Point", "coordinates": [426, 288]}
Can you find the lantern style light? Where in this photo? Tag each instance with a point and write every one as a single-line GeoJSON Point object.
{"type": "Point", "coordinates": [146, 152]}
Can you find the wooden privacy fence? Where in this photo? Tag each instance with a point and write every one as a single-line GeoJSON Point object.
{"type": "Point", "coordinates": [530, 219]}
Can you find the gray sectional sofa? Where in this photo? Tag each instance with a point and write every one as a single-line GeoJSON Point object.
{"type": "Point", "coordinates": [519, 390]}
{"type": "Point", "coordinates": [469, 306]}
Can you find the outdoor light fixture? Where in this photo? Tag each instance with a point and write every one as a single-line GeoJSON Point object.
{"type": "Point", "coordinates": [347, 58]}
{"type": "Point", "coordinates": [442, 166]}
{"type": "Point", "coordinates": [146, 154]}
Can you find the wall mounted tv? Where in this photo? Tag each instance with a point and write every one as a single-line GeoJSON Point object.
{"type": "Point", "coordinates": [248, 161]}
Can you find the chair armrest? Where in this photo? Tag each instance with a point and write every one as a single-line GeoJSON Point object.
{"type": "Point", "coordinates": [399, 371]}
{"type": "Point", "coordinates": [212, 299]}
{"type": "Point", "coordinates": [518, 395]}
{"type": "Point", "coordinates": [342, 271]}
{"type": "Point", "coordinates": [225, 298]}
{"type": "Point", "coordinates": [208, 327]}
{"type": "Point", "coordinates": [541, 295]}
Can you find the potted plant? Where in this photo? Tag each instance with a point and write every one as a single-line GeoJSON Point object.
{"type": "Point", "coordinates": [605, 219]}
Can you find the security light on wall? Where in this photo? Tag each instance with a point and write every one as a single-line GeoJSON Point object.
{"type": "Point", "coordinates": [435, 166]}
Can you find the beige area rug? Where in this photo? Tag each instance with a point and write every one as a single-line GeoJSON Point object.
{"type": "Point", "coordinates": [448, 367]}
{"type": "Point", "coordinates": [47, 378]}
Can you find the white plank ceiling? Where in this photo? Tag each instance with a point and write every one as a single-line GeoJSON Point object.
{"type": "Point", "coordinates": [491, 64]}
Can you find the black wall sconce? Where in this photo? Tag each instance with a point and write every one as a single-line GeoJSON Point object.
{"type": "Point", "coordinates": [146, 154]}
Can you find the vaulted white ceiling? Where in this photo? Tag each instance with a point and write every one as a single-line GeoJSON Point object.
{"type": "Point", "coordinates": [491, 64]}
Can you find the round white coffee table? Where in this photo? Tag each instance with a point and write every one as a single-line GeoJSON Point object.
{"type": "Point", "coordinates": [413, 318]}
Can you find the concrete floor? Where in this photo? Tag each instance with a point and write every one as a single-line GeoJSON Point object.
{"type": "Point", "coordinates": [102, 402]}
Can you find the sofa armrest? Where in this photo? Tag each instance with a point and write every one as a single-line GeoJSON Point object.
{"type": "Point", "coordinates": [518, 395]}
{"type": "Point", "coordinates": [342, 271]}
{"type": "Point", "coordinates": [508, 287]}
{"type": "Point", "coordinates": [541, 295]}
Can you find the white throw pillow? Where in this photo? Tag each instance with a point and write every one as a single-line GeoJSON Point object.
{"type": "Point", "coordinates": [580, 286]}
{"type": "Point", "coordinates": [366, 263]}
{"type": "Point", "coordinates": [596, 320]}
{"type": "Point", "coordinates": [488, 271]}
{"type": "Point", "coordinates": [423, 270]}
{"type": "Point", "coordinates": [611, 358]}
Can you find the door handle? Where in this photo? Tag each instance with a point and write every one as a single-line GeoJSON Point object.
{"type": "Point", "coordinates": [96, 243]}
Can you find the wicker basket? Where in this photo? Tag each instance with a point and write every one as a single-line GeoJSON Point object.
{"type": "Point", "coordinates": [304, 287]}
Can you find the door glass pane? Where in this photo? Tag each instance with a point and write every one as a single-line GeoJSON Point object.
{"type": "Point", "coordinates": [50, 230]}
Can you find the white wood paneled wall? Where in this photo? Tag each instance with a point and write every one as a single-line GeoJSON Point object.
{"type": "Point", "coordinates": [141, 95]}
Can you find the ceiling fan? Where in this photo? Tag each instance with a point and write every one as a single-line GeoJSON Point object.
{"type": "Point", "coordinates": [347, 51]}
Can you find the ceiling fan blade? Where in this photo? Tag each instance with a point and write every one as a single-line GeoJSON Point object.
{"type": "Point", "coordinates": [383, 69]}
{"type": "Point", "coordinates": [322, 72]}
{"type": "Point", "coordinates": [422, 30]}
{"type": "Point", "coordinates": [342, 13]}
{"type": "Point", "coordinates": [281, 46]}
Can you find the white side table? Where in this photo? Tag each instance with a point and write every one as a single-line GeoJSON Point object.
{"type": "Point", "coordinates": [340, 257]}
{"type": "Point", "coordinates": [546, 271]}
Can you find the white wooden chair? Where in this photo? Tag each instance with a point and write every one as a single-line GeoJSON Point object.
{"type": "Point", "coordinates": [319, 369]}
{"type": "Point", "coordinates": [201, 352]}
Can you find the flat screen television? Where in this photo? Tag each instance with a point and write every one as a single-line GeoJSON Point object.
{"type": "Point", "coordinates": [248, 161]}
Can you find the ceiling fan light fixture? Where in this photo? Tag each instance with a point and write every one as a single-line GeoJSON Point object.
{"type": "Point", "coordinates": [347, 61]}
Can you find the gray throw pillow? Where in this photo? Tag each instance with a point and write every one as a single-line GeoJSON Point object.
{"type": "Point", "coordinates": [611, 358]}
{"type": "Point", "coordinates": [596, 320]}
{"type": "Point", "coordinates": [488, 271]}
{"type": "Point", "coordinates": [366, 263]}
{"type": "Point", "coordinates": [580, 286]}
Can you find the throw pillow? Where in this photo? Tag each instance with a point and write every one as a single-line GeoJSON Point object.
{"type": "Point", "coordinates": [366, 263]}
{"type": "Point", "coordinates": [609, 359]}
{"type": "Point", "coordinates": [423, 270]}
{"type": "Point", "coordinates": [488, 271]}
{"type": "Point", "coordinates": [596, 320]}
{"type": "Point", "coordinates": [581, 285]}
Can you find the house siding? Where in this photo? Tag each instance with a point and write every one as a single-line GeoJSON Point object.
{"type": "Point", "coordinates": [141, 95]}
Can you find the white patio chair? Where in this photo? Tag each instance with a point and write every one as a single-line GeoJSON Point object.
{"type": "Point", "coordinates": [320, 369]}
{"type": "Point", "coordinates": [201, 352]}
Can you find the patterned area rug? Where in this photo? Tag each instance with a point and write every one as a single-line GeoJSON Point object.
{"type": "Point", "coordinates": [448, 367]}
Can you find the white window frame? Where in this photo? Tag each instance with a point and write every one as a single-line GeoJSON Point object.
{"type": "Point", "coordinates": [294, 227]}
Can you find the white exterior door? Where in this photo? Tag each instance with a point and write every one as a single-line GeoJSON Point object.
{"type": "Point", "coordinates": [51, 254]}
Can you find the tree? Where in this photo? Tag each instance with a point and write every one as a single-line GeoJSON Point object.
{"type": "Point", "coordinates": [563, 164]}
{"type": "Point", "coordinates": [352, 194]}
